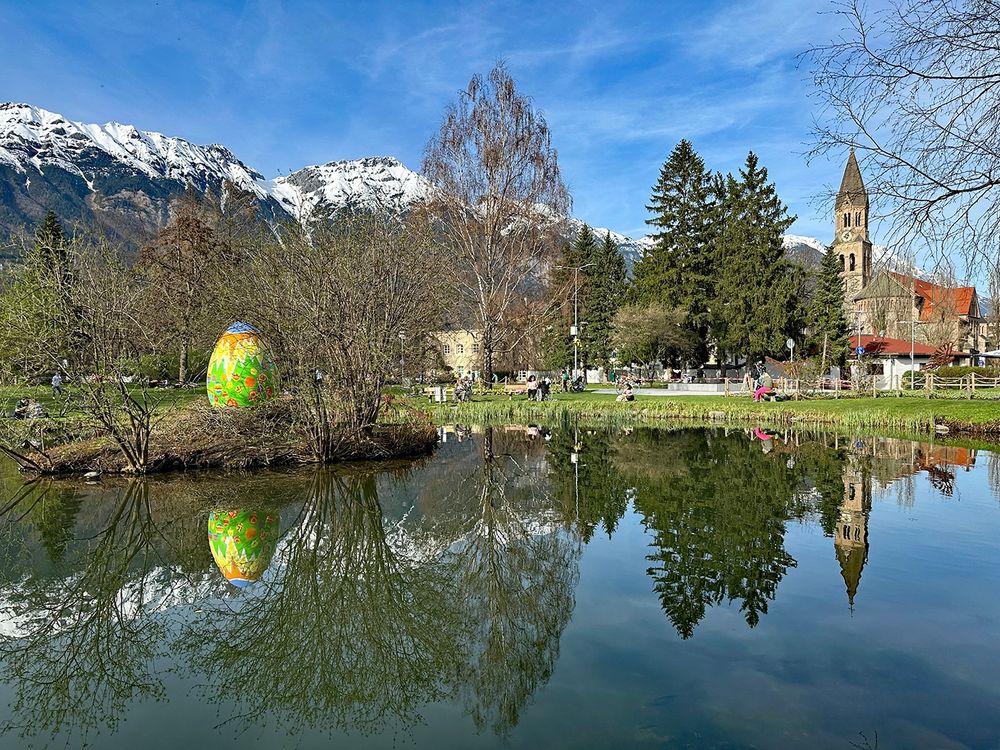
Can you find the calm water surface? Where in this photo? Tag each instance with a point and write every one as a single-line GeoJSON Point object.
{"type": "Point", "coordinates": [521, 588]}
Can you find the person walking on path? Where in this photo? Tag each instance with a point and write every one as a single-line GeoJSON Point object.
{"type": "Point", "coordinates": [57, 385]}
{"type": "Point", "coordinates": [565, 381]}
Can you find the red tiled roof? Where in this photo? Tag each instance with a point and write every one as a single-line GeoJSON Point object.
{"type": "Point", "coordinates": [885, 347]}
{"type": "Point", "coordinates": [956, 300]}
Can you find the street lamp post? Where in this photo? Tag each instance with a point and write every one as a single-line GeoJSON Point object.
{"type": "Point", "coordinates": [575, 329]}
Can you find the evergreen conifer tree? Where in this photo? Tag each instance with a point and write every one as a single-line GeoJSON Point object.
{"type": "Point", "coordinates": [828, 326]}
{"type": "Point", "coordinates": [569, 278]}
{"type": "Point", "coordinates": [605, 275]}
{"type": "Point", "coordinates": [679, 271]}
{"type": "Point", "coordinates": [758, 288]}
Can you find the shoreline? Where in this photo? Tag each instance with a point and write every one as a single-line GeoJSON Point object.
{"type": "Point", "coordinates": [956, 417]}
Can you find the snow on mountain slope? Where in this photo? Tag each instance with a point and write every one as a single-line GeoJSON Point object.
{"type": "Point", "coordinates": [376, 182]}
{"type": "Point", "coordinates": [32, 137]}
{"type": "Point", "coordinates": [122, 180]}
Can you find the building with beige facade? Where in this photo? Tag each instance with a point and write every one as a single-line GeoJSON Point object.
{"type": "Point", "coordinates": [461, 350]}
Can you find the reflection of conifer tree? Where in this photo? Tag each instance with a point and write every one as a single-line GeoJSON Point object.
{"type": "Point", "coordinates": [356, 630]}
{"type": "Point", "coordinates": [54, 515]}
{"type": "Point", "coordinates": [717, 513]}
{"type": "Point", "coordinates": [587, 487]}
{"type": "Point", "coordinates": [516, 570]}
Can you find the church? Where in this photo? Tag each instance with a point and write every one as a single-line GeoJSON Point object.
{"type": "Point", "coordinates": [886, 304]}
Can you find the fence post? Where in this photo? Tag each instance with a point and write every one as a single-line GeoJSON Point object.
{"type": "Point", "coordinates": [726, 381]}
{"type": "Point", "coordinates": [928, 384]}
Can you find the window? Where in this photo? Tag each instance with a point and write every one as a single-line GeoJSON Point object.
{"type": "Point", "coordinates": [475, 348]}
{"type": "Point", "coordinates": [446, 349]}
{"type": "Point", "coordinates": [843, 263]}
{"type": "Point", "coordinates": [857, 219]}
{"type": "Point", "coordinates": [847, 220]}
{"type": "Point", "coordinates": [852, 263]}
{"type": "Point", "coordinates": [460, 348]}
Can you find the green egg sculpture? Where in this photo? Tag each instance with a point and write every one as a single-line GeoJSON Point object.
{"type": "Point", "coordinates": [240, 372]}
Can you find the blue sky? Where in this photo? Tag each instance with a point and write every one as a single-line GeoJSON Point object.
{"type": "Point", "coordinates": [286, 84]}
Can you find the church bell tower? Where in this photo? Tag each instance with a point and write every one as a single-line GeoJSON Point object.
{"type": "Point", "coordinates": [850, 241]}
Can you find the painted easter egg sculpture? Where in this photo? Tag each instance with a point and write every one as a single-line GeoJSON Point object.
{"type": "Point", "coordinates": [240, 372]}
{"type": "Point", "coordinates": [242, 543]}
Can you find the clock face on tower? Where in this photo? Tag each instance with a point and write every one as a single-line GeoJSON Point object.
{"type": "Point", "coordinates": [845, 236]}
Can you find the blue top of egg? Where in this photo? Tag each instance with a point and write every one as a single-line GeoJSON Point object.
{"type": "Point", "coordinates": [239, 327]}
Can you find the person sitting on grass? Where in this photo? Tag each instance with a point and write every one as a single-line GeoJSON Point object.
{"type": "Point", "coordinates": [627, 393]}
{"type": "Point", "coordinates": [765, 387]}
{"type": "Point", "coordinates": [532, 387]}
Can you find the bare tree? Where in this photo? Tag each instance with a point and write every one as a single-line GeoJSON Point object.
{"type": "Point", "coordinates": [913, 88]}
{"type": "Point", "coordinates": [179, 264]}
{"type": "Point", "coordinates": [499, 199]}
{"type": "Point", "coordinates": [333, 300]}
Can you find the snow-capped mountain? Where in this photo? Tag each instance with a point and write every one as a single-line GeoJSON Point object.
{"type": "Point", "coordinates": [376, 182]}
{"type": "Point", "coordinates": [121, 180]}
{"type": "Point", "coordinates": [113, 177]}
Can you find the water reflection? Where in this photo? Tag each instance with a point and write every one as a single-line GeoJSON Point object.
{"type": "Point", "coordinates": [379, 592]}
{"type": "Point", "coordinates": [242, 543]}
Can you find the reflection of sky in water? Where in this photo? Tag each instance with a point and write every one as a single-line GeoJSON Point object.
{"type": "Point", "coordinates": [915, 659]}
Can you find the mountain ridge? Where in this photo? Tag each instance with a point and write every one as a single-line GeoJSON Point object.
{"type": "Point", "coordinates": [122, 179]}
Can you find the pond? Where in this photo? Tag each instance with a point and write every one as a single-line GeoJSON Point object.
{"type": "Point", "coordinates": [524, 587]}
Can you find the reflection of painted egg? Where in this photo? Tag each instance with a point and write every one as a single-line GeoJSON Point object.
{"type": "Point", "coordinates": [242, 543]}
{"type": "Point", "coordinates": [240, 373]}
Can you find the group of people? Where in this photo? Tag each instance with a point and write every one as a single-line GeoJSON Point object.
{"type": "Point", "coordinates": [540, 388]}
{"type": "Point", "coordinates": [28, 408]}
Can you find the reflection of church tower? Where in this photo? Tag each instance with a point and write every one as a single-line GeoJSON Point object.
{"type": "Point", "coordinates": [850, 240]}
{"type": "Point", "coordinates": [851, 537]}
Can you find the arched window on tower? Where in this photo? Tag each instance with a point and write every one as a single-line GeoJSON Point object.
{"type": "Point", "coordinates": [843, 263]}
{"type": "Point", "coordinates": [847, 220]}
{"type": "Point", "coordinates": [857, 219]}
{"type": "Point", "coordinates": [852, 263]}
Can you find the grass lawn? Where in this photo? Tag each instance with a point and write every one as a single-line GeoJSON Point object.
{"type": "Point", "coordinates": [889, 412]}
{"type": "Point", "coordinates": [69, 403]}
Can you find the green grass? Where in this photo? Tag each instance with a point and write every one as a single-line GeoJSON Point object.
{"type": "Point", "coordinates": [69, 402]}
{"type": "Point", "coordinates": [913, 414]}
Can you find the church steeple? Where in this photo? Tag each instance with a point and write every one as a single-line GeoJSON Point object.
{"type": "Point", "coordinates": [850, 540]}
{"type": "Point", "coordinates": [852, 187]}
{"type": "Point", "coordinates": [850, 239]}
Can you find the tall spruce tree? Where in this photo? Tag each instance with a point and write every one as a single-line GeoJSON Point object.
{"type": "Point", "coordinates": [828, 326]}
{"type": "Point", "coordinates": [758, 288]}
{"type": "Point", "coordinates": [679, 270]}
{"type": "Point", "coordinates": [605, 275]}
{"type": "Point", "coordinates": [569, 283]}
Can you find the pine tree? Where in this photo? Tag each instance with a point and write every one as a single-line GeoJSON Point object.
{"type": "Point", "coordinates": [758, 288]}
{"type": "Point", "coordinates": [605, 289]}
{"type": "Point", "coordinates": [569, 281]}
{"type": "Point", "coordinates": [679, 271]}
{"type": "Point", "coordinates": [828, 326]}
{"type": "Point", "coordinates": [50, 251]}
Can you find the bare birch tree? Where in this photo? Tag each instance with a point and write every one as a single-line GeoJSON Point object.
{"type": "Point", "coordinates": [914, 88]}
{"type": "Point", "coordinates": [499, 199]}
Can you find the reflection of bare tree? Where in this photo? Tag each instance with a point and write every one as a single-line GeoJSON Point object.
{"type": "Point", "coordinates": [993, 475]}
{"type": "Point", "coordinates": [349, 634]}
{"type": "Point", "coordinates": [83, 646]}
{"type": "Point", "coordinates": [517, 570]}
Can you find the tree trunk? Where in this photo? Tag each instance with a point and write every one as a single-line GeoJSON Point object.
{"type": "Point", "coordinates": [182, 364]}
